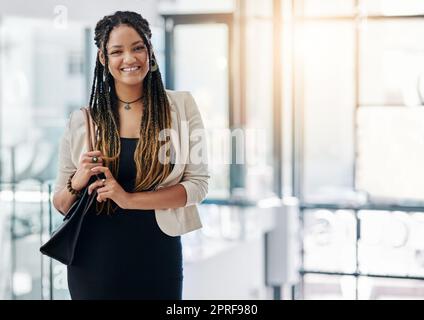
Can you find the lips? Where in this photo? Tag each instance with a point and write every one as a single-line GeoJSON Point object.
{"type": "Point", "coordinates": [130, 69]}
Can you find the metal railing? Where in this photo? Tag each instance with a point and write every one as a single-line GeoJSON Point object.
{"type": "Point", "coordinates": [413, 208]}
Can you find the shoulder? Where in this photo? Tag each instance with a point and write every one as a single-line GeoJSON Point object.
{"type": "Point", "coordinates": [183, 101]}
{"type": "Point", "coordinates": [175, 94]}
{"type": "Point", "coordinates": [75, 128]}
{"type": "Point", "coordinates": [176, 98]}
{"type": "Point", "coordinates": [76, 121]}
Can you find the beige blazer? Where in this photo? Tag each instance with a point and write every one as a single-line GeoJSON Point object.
{"type": "Point", "coordinates": [192, 174]}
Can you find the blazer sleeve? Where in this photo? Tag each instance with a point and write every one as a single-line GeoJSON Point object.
{"type": "Point", "coordinates": [65, 165]}
{"type": "Point", "coordinates": [195, 177]}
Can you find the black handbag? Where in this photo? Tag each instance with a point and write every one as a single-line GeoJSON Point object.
{"type": "Point", "coordinates": [63, 241]}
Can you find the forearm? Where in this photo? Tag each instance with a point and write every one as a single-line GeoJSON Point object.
{"type": "Point", "coordinates": [63, 200]}
{"type": "Point", "coordinates": [166, 198]}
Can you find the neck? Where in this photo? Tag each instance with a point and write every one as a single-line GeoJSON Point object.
{"type": "Point", "coordinates": [129, 93]}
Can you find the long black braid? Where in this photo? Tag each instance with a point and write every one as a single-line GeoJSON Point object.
{"type": "Point", "coordinates": [103, 108]}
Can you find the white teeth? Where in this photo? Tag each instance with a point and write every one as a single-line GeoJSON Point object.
{"type": "Point", "coordinates": [130, 69]}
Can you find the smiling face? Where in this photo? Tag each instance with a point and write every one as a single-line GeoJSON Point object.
{"type": "Point", "coordinates": [128, 56]}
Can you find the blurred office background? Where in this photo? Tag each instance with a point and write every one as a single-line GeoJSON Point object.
{"type": "Point", "coordinates": [326, 97]}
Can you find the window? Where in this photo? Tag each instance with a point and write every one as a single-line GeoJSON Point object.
{"type": "Point", "coordinates": [37, 95]}
{"type": "Point", "coordinates": [325, 66]}
{"type": "Point", "coordinates": [75, 63]}
{"type": "Point", "coordinates": [329, 240]}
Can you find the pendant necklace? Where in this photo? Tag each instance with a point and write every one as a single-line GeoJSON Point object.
{"type": "Point", "coordinates": [127, 103]}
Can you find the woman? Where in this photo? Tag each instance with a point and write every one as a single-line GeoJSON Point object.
{"type": "Point", "coordinates": [130, 246]}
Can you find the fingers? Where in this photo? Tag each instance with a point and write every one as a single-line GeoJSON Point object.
{"type": "Point", "coordinates": [88, 166]}
{"type": "Point", "coordinates": [89, 159]}
{"type": "Point", "coordinates": [100, 198]}
{"type": "Point", "coordinates": [103, 194]}
{"type": "Point", "coordinates": [102, 189]}
{"type": "Point", "coordinates": [105, 170]}
{"type": "Point", "coordinates": [96, 153]}
{"type": "Point", "coordinates": [95, 185]}
{"type": "Point", "coordinates": [84, 172]}
{"type": "Point", "coordinates": [87, 163]}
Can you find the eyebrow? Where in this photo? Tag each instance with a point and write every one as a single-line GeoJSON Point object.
{"type": "Point", "coordinates": [119, 46]}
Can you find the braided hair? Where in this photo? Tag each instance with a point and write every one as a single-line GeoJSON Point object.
{"type": "Point", "coordinates": [104, 109]}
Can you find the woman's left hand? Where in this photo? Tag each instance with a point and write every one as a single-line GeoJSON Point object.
{"type": "Point", "coordinates": [108, 188]}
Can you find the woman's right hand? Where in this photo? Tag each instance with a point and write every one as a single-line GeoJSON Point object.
{"type": "Point", "coordinates": [84, 173]}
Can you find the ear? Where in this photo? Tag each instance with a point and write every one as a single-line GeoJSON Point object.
{"type": "Point", "coordinates": [101, 57]}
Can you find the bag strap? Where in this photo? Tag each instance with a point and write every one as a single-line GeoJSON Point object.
{"type": "Point", "coordinates": [91, 139]}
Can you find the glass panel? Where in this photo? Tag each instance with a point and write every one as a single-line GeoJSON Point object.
{"type": "Point", "coordinates": [329, 240]}
{"type": "Point", "coordinates": [60, 282]}
{"type": "Point", "coordinates": [327, 287]}
{"type": "Point", "coordinates": [392, 63]}
{"type": "Point", "coordinates": [258, 9]}
{"type": "Point", "coordinates": [392, 7]}
{"type": "Point", "coordinates": [259, 105]}
{"type": "Point", "coordinates": [38, 94]}
{"type": "Point", "coordinates": [43, 66]}
{"type": "Point", "coordinates": [324, 7]}
{"type": "Point", "coordinates": [203, 70]}
{"type": "Point", "coordinates": [58, 271]}
{"type": "Point", "coordinates": [287, 36]}
{"type": "Point", "coordinates": [158, 42]}
{"type": "Point", "coordinates": [195, 6]}
{"type": "Point", "coordinates": [22, 209]}
{"type": "Point", "coordinates": [325, 54]}
{"type": "Point", "coordinates": [390, 289]}
{"type": "Point", "coordinates": [22, 222]}
{"type": "Point", "coordinates": [392, 243]}
{"type": "Point", "coordinates": [391, 153]}
{"type": "Point", "coordinates": [6, 207]}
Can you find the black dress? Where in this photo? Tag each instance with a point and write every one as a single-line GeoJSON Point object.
{"type": "Point", "coordinates": [126, 255]}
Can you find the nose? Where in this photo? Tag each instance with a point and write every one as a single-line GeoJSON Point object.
{"type": "Point", "coordinates": [128, 58]}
